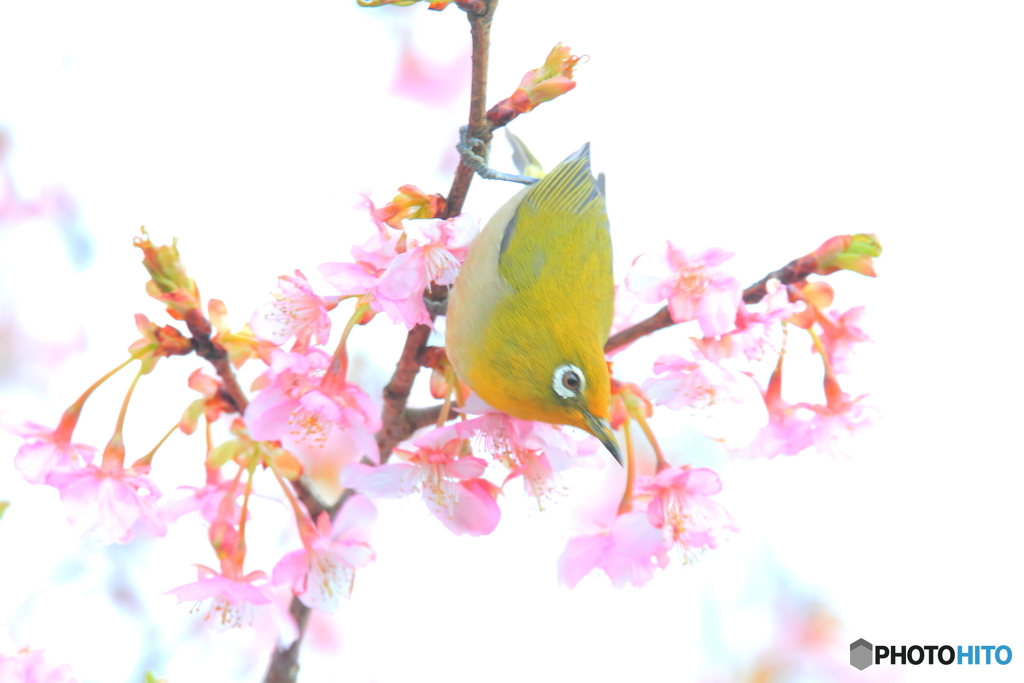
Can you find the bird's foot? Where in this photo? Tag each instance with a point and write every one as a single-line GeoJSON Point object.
{"type": "Point", "coordinates": [467, 150]}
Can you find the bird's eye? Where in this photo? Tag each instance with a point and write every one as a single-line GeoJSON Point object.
{"type": "Point", "coordinates": [568, 381]}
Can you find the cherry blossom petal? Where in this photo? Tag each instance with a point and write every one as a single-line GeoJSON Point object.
{"type": "Point", "coordinates": [581, 556]}
{"type": "Point", "coordinates": [291, 571]}
{"type": "Point", "coordinates": [355, 519]}
{"type": "Point", "coordinates": [693, 287]}
{"type": "Point", "coordinates": [233, 598]}
{"type": "Point", "coordinates": [474, 512]}
{"type": "Point", "coordinates": [297, 313]}
{"type": "Point", "coordinates": [466, 467]}
{"type": "Point", "coordinates": [45, 453]}
{"type": "Point", "coordinates": [394, 480]}
{"type": "Point", "coordinates": [107, 504]}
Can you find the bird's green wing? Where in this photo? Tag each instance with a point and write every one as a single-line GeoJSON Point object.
{"type": "Point", "coordinates": [563, 211]}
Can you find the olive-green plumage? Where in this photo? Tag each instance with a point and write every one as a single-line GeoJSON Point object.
{"type": "Point", "coordinates": [532, 306]}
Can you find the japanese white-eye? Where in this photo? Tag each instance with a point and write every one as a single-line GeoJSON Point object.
{"type": "Point", "coordinates": [532, 307]}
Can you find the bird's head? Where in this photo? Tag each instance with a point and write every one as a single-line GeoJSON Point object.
{"type": "Point", "coordinates": [561, 379]}
{"type": "Point", "coordinates": [583, 398]}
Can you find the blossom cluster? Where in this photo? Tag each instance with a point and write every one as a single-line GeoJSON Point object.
{"type": "Point", "coordinates": [305, 420]}
{"type": "Point", "coordinates": [720, 371]}
{"type": "Point", "coordinates": [315, 429]}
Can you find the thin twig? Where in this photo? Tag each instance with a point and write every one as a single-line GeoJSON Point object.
{"type": "Point", "coordinates": [479, 125]}
{"type": "Point", "coordinates": [417, 418]}
{"type": "Point", "coordinates": [284, 664]}
{"type": "Point", "coordinates": [202, 340]}
{"type": "Point", "coordinates": [793, 272]}
{"type": "Point", "coordinates": [658, 321]}
{"type": "Point", "coordinates": [396, 393]}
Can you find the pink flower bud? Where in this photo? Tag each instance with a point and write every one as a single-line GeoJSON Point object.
{"type": "Point", "coordinates": [170, 284]}
{"type": "Point", "coordinates": [848, 252]}
{"type": "Point", "coordinates": [541, 85]}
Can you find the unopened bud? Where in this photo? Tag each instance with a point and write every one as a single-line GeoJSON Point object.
{"type": "Point", "coordinates": [411, 202]}
{"type": "Point", "coordinates": [541, 85]}
{"type": "Point", "coordinates": [848, 252]}
{"type": "Point", "coordinates": [170, 284]}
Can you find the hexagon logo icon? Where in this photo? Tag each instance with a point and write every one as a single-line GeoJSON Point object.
{"type": "Point", "coordinates": [860, 654]}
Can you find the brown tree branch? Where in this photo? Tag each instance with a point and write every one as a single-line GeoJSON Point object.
{"type": "Point", "coordinates": [202, 340]}
{"type": "Point", "coordinates": [479, 125]}
{"type": "Point", "coordinates": [284, 664]}
{"type": "Point", "coordinates": [792, 273]}
{"type": "Point", "coordinates": [658, 321]}
{"type": "Point", "coordinates": [396, 393]}
{"type": "Point", "coordinates": [417, 418]}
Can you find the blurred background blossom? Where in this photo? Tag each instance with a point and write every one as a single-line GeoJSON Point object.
{"type": "Point", "coordinates": [249, 131]}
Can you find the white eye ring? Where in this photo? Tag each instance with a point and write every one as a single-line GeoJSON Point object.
{"type": "Point", "coordinates": [561, 386]}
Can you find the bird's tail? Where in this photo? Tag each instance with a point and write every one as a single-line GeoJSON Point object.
{"type": "Point", "coordinates": [570, 186]}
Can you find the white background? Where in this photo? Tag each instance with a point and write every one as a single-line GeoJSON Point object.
{"type": "Point", "coordinates": [247, 129]}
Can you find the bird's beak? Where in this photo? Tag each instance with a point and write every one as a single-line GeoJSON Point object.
{"type": "Point", "coordinates": [600, 428]}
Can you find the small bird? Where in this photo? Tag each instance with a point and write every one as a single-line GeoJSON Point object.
{"type": "Point", "coordinates": [532, 307]}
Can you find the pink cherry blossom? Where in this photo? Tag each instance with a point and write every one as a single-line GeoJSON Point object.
{"type": "Point", "coordinates": [787, 433]}
{"type": "Point", "coordinates": [628, 552]}
{"type": "Point", "coordinates": [681, 505]}
{"type": "Point", "coordinates": [835, 424]}
{"type": "Point", "coordinates": [694, 287]}
{"type": "Point", "coordinates": [696, 384]}
{"type": "Point", "coordinates": [382, 247]}
{"type": "Point", "coordinates": [839, 333]}
{"type": "Point", "coordinates": [217, 499]}
{"type": "Point", "coordinates": [323, 570]}
{"type": "Point", "coordinates": [105, 502]}
{"type": "Point", "coordinates": [297, 312]}
{"type": "Point", "coordinates": [294, 405]}
{"type": "Point", "coordinates": [726, 404]}
{"type": "Point", "coordinates": [33, 666]}
{"type": "Point", "coordinates": [441, 245]}
{"type": "Point", "coordinates": [233, 596]}
{"type": "Point", "coordinates": [46, 452]}
{"type": "Point", "coordinates": [396, 291]}
{"type": "Point", "coordinates": [540, 479]}
{"type": "Point", "coordinates": [433, 251]}
{"type": "Point", "coordinates": [446, 477]}
{"type": "Point", "coordinates": [535, 451]}
{"type": "Point", "coordinates": [758, 329]}
{"type": "Point", "coordinates": [475, 512]}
